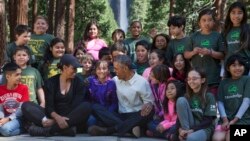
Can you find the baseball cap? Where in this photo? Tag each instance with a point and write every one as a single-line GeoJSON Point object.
{"type": "Point", "coordinates": [69, 59]}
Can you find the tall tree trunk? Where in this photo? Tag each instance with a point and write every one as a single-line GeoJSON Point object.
{"type": "Point", "coordinates": [51, 11]}
{"type": "Point", "coordinates": [22, 12]}
{"type": "Point", "coordinates": [171, 8]}
{"type": "Point", "coordinates": [12, 18]}
{"type": "Point", "coordinates": [219, 8]}
{"type": "Point", "coordinates": [60, 18]}
{"type": "Point", "coordinates": [2, 31]}
{"type": "Point", "coordinates": [34, 12]}
{"type": "Point", "coordinates": [71, 27]}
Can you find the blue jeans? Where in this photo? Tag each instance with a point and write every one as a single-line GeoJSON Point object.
{"type": "Point", "coordinates": [11, 128]}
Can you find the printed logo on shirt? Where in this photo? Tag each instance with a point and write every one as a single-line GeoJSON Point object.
{"type": "Point", "coordinates": [10, 101]}
{"type": "Point", "coordinates": [10, 105]}
{"type": "Point", "coordinates": [180, 48]}
{"type": "Point", "coordinates": [35, 46]}
{"type": "Point", "coordinates": [205, 43]}
{"type": "Point", "coordinates": [235, 35]}
{"type": "Point", "coordinates": [195, 106]}
{"type": "Point", "coordinates": [53, 70]}
{"type": "Point", "coordinates": [232, 89]}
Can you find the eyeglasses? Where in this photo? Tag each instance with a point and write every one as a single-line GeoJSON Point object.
{"type": "Point", "coordinates": [193, 78]}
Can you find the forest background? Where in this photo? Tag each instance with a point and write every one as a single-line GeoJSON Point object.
{"type": "Point", "coordinates": [68, 18]}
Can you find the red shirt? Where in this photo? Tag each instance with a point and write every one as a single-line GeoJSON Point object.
{"type": "Point", "coordinates": [11, 99]}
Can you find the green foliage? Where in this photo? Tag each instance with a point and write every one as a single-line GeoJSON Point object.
{"type": "Point", "coordinates": [99, 10]}
{"type": "Point", "coordinates": [157, 15]}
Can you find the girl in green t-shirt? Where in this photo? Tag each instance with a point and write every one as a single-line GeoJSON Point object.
{"type": "Point", "coordinates": [233, 98]}
{"type": "Point", "coordinates": [196, 111]}
{"type": "Point", "coordinates": [51, 58]}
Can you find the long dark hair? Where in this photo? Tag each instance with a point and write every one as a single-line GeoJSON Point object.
{"type": "Point", "coordinates": [245, 30]}
{"type": "Point", "coordinates": [86, 32]}
{"type": "Point", "coordinates": [180, 91]}
{"type": "Point", "coordinates": [203, 90]}
{"type": "Point", "coordinates": [48, 56]}
{"type": "Point", "coordinates": [187, 66]}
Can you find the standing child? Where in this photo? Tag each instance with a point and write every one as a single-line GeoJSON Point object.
{"type": "Point", "coordinates": [40, 40]}
{"type": "Point", "coordinates": [233, 98]}
{"type": "Point", "coordinates": [181, 66]}
{"type": "Point", "coordinates": [91, 40]}
{"type": "Point", "coordinates": [30, 76]}
{"type": "Point", "coordinates": [197, 110]}
{"type": "Point", "coordinates": [12, 95]}
{"type": "Point", "coordinates": [179, 40]}
{"type": "Point", "coordinates": [236, 32]}
{"type": "Point", "coordinates": [142, 50]}
{"type": "Point", "coordinates": [165, 126]}
{"type": "Point", "coordinates": [135, 29]}
{"type": "Point", "coordinates": [206, 51]}
{"type": "Point", "coordinates": [102, 89]}
{"type": "Point", "coordinates": [22, 34]}
{"type": "Point", "coordinates": [51, 58]}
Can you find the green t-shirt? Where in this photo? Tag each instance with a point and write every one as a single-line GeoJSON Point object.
{"type": "Point", "coordinates": [199, 110]}
{"type": "Point", "coordinates": [233, 41]}
{"type": "Point", "coordinates": [141, 67]}
{"type": "Point", "coordinates": [211, 65]}
{"type": "Point", "coordinates": [176, 46]}
{"type": "Point", "coordinates": [231, 92]}
{"type": "Point", "coordinates": [32, 78]}
{"type": "Point", "coordinates": [130, 46]}
{"type": "Point", "coordinates": [49, 70]}
{"type": "Point", "coordinates": [38, 45]}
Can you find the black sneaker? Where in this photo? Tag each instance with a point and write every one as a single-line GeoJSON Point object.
{"type": "Point", "coordinates": [38, 131]}
{"type": "Point", "coordinates": [97, 131]}
{"type": "Point", "coordinates": [71, 132]}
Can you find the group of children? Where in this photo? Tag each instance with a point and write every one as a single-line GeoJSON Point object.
{"type": "Point", "coordinates": [189, 76]}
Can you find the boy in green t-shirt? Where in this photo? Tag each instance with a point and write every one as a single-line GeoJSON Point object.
{"type": "Point", "coordinates": [179, 41]}
{"type": "Point", "coordinates": [30, 76]}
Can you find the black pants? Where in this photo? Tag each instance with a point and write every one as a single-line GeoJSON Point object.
{"type": "Point", "coordinates": [78, 116]}
{"type": "Point", "coordinates": [122, 122]}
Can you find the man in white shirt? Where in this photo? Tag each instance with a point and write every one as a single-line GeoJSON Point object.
{"type": "Point", "coordinates": [135, 100]}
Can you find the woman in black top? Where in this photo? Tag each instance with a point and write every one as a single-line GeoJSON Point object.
{"type": "Point", "coordinates": [65, 108]}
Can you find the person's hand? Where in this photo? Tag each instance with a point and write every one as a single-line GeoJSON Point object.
{"type": "Point", "coordinates": [4, 120]}
{"type": "Point", "coordinates": [61, 121]}
{"type": "Point", "coordinates": [225, 124]}
{"type": "Point", "coordinates": [182, 134]}
{"type": "Point", "coordinates": [205, 51]}
{"type": "Point", "coordinates": [146, 109]}
{"type": "Point", "coordinates": [197, 50]}
{"type": "Point", "coordinates": [160, 128]}
{"type": "Point", "coordinates": [232, 122]}
{"type": "Point", "coordinates": [42, 104]}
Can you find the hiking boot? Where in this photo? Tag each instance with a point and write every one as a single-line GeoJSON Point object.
{"type": "Point", "coordinates": [136, 131]}
{"type": "Point", "coordinates": [97, 131]}
{"type": "Point", "coordinates": [71, 132]}
{"type": "Point", "coordinates": [38, 131]}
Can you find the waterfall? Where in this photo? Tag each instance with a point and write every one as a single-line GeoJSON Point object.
{"type": "Point", "coordinates": [123, 20]}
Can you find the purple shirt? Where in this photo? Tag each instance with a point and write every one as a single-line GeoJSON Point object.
{"type": "Point", "coordinates": [103, 93]}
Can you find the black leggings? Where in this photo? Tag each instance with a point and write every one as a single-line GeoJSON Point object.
{"type": "Point", "coordinates": [34, 113]}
